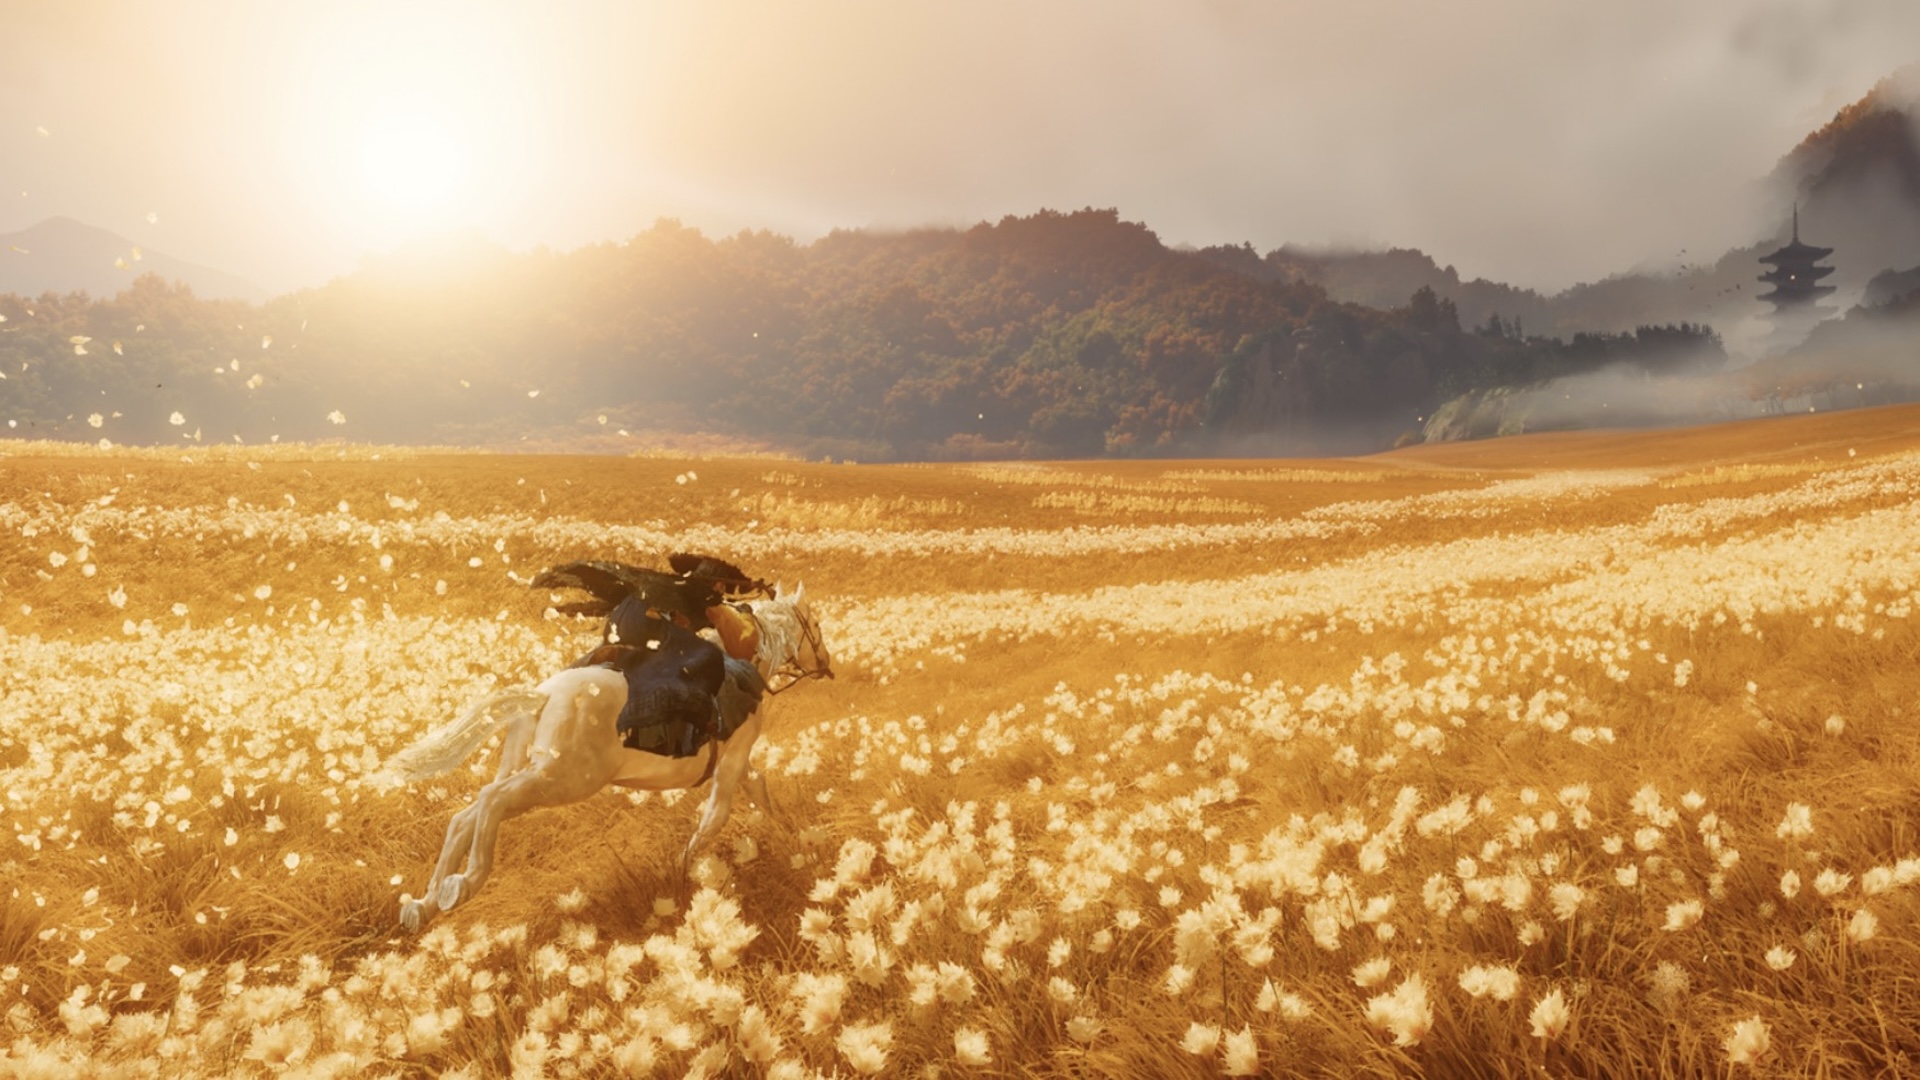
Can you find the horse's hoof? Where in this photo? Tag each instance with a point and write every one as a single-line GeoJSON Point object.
{"type": "Point", "coordinates": [412, 915]}
{"type": "Point", "coordinates": [452, 890]}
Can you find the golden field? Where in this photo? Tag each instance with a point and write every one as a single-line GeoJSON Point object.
{"type": "Point", "coordinates": [1586, 754]}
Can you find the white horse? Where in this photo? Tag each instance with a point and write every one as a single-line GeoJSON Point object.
{"type": "Point", "coordinates": [563, 744]}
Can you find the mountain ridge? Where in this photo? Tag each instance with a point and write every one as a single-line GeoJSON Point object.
{"type": "Point", "coordinates": [63, 255]}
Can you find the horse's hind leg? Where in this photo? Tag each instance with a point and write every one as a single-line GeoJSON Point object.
{"type": "Point", "coordinates": [415, 914]}
{"type": "Point", "coordinates": [513, 750]}
{"type": "Point", "coordinates": [458, 845]}
{"type": "Point", "coordinates": [497, 802]}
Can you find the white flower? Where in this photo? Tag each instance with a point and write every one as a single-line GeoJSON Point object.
{"type": "Point", "coordinates": [1179, 979]}
{"type": "Point", "coordinates": [1404, 1012]}
{"type": "Point", "coordinates": [1749, 1043]}
{"type": "Point", "coordinates": [1550, 1016]}
{"type": "Point", "coordinates": [1790, 884]}
{"type": "Point", "coordinates": [1683, 914]}
{"type": "Point", "coordinates": [1797, 824]}
{"type": "Point", "coordinates": [970, 1047]}
{"type": "Point", "coordinates": [865, 1046]}
{"type": "Point", "coordinates": [1780, 958]}
{"type": "Point", "coordinates": [1241, 1055]}
{"type": "Point", "coordinates": [1200, 1039]}
{"type": "Point", "coordinates": [1665, 985]}
{"type": "Point", "coordinates": [819, 999]}
{"type": "Point", "coordinates": [1863, 926]}
{"type": "Point", "coordinates": [1498, 983]}
{"type": "Point", "coordinates": [337, 417]}
{"type": "Point", "coordinates": [1831, 881]}
{"type": "Point", "coordinates": [1372, 972]}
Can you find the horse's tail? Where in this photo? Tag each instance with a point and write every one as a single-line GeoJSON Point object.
{"type": "Point", "coordinates": [445, 747]}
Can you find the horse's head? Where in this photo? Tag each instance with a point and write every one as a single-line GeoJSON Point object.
{"type": "Point", "coordinates": [808, 657]}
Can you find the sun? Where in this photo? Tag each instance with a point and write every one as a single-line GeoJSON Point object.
{"type": "Point", "coordinates": [412, 163]}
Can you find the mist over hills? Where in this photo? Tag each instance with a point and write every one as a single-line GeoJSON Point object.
{"type": "Point", "coordinates": [61, 255]}
{"type": "Point", "coordinates": [1856, 181]}
{"type": "Point", "coordinates": [1049, 335]}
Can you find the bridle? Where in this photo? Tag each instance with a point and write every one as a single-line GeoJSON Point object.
{"type": "Point", "coordinates": [790, 667]}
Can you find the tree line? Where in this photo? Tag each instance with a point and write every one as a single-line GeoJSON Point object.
{"type": "Point", "coordinates": [1049, 335]}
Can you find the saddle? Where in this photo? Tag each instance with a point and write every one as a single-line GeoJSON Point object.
{"type": "Point", "coordinates": [684, 693]}
{"type": "Point", "coordinates": [672, 721]}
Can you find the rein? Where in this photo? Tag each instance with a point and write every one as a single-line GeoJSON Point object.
{"type": "Point", "coordinates": [795, 677]}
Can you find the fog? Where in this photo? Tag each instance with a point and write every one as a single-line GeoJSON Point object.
{"type": "Point", "coordinates": [1863, 361]}
{"type": "Point", "coordinates": [1538, 144]}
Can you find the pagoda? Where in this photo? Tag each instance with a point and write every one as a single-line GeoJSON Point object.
{"type": "Point", "coordinates": [1795, 278]}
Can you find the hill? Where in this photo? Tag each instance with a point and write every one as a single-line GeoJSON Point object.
{"type": "Point", "coordinates": [1857, 180]}
{"type": "Point", "coordinates": [1053, 335]}
{"type": "Point", "coordinates": [61, 255]}
{"type": "Point", "coordinates": [1720, 294]}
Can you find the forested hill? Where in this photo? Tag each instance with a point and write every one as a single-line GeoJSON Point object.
{"type": "Point", "coordinates": [1052, 335]}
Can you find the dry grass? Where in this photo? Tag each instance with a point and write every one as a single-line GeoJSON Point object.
{"type": "Point", "coordinates": [1570, 753]}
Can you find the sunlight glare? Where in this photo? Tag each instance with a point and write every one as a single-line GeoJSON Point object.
{"type": "Point", "coordinates": [412, 162]}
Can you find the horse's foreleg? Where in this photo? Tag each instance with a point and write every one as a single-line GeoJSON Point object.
{"type": "Point", "coordinates": [754, 785]}
{"type": "Point", "coordinates": [756, 781]}
{"type": "Point", "coordinates": [727, 776]}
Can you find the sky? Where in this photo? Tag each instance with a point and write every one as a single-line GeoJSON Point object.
{"type": "Point", "coordinates": [1538, 142]}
